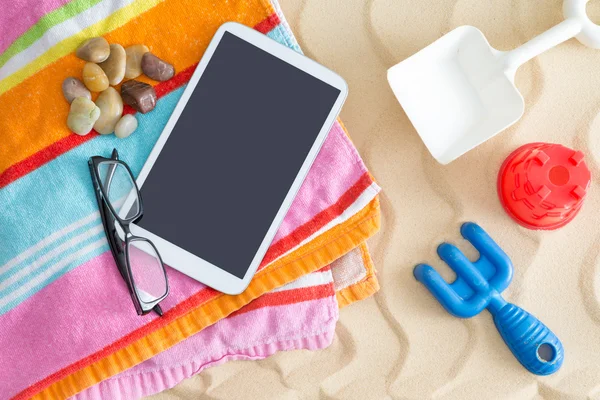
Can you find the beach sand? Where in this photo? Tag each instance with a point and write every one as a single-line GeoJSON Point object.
{"type": "Point", "coordinates": [401, 344]}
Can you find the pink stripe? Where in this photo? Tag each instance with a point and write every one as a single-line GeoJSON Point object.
{"type": "Point", "coordinates": [249, 336]}
{"type": "Point", "coordinates": [79, 314]}
{"type": "Point", "coordinates": [18, 16]}
{"type": "Point", "coordinates": [335, 170]}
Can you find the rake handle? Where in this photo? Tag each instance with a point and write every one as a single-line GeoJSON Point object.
{"type": "Point", "coordinates": [531, 342]}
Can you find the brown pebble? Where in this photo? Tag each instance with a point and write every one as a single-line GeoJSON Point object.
{"type": "Point", "coordinates": [134, 55]}
{"type": "Point", "coordinates": [73, 88]}
{"type": "Point", "coordinates": [156, 69]}
{"type": "Point", "coordinates": [114, 66]}
{"type": "Point", "coordinates": [93, 50]}
{"type": "Point", "coordinates": [139, 95]}
{"type": "Point", "coordinates": [94, 77]}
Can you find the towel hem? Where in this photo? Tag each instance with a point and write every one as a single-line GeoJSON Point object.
{"type": "Point", "coordinates": [167, 378]}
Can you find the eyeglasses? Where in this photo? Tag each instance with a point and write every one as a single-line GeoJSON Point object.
{"type": "Point", "coordinates": [138, 260]}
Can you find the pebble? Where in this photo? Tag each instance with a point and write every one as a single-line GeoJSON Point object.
{"type": "Point", "coordinates": [134, 56]}
{"type": "Point", "coordinates": [125, 127]}
{"type": "Point", "coordinates": [156, 68]}
{"type": "Point", "coordinates": [114, 66]}
{"type": "Point", "coordinates": [139, 95]}
{"type": "Point", "coordinates": [94, 77]}
{"type": "Point", "coordinates": [111, 110]}
{"type": "Point", "coordinates": [73, 88]}
{"type": "Point", "coordinates": [82, 116]}
{"type": "Point", "coordinates": [93, 50]}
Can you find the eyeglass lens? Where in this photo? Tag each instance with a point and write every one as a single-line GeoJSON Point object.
{"type": "Point", "coordinates": [146, 270]}
{"type": "Point", "coordinates": [119, 189]}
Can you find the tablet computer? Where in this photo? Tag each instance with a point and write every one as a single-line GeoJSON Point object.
{"type": "Point", "coordinates": [235, 151]}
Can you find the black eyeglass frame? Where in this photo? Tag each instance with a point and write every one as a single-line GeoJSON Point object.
{"type": "Point", "coordinates": [120, 251]}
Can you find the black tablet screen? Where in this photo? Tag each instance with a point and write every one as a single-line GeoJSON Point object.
{"type": "Point", "coordinates": [234, 153]}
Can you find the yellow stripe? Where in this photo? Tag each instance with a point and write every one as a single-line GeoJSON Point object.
{"type": "Point", "coordinates": [69, 45]}
{"type": "Point", "coordinates": [312, 256]}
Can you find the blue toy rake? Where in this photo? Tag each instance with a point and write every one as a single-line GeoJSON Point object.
{"type": "Point", "coordinates": [478, 286]}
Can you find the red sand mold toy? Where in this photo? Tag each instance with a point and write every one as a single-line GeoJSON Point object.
{"type": "Point", "coordinates": [543, 185]}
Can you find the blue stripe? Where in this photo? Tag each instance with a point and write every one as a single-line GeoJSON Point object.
{"type": "Point", "coordinates": [50, 247]}
{"type": "Point", "coordinates": [280, 35]}
{"type": "Point", "coordinates": [60, 192]}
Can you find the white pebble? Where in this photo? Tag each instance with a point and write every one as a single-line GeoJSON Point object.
{"type": "Point", "coordinates": [126, 125]}
{"type": "Point", "coordinates": [82, 116]}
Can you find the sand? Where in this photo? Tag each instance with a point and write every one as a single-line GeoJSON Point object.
{"type": "Point", "coordinates": [401, 344]}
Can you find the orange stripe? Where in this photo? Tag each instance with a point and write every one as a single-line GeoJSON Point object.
{"type": "Point", "coordinates": [69, 142]}
{"type": "Point", "coordinates": [176, 30]}
{"type": "Point", "coordinates": [314, 255]}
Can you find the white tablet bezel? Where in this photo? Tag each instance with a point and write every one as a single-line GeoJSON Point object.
{"type": "Point", "coordinates": [188, 263]}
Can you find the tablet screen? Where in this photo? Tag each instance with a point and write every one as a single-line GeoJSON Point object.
{"type": "Point", "coordinates": [234, 154]}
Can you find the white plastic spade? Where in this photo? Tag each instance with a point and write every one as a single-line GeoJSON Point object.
{"type": "Point", "coordinates": [459, 91]}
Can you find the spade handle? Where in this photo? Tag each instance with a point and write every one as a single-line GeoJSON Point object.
{"type": "Point", "coordinates": [576, 24]}
{"type": "Point", "coordinates": [590, 32]}
{"type": "Point", "coordinates": [554, 36]}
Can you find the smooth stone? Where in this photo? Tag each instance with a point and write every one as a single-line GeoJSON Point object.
{"type": "Point", "coordinates": [111, 110]}
{"type": "Point", "coordinates": [82, 116]}
{"type": "Point", "coordinates": [156, 69]}
{"type": "Point", "coordinates": [126, 125]}
{"type": "Point", "coordinates": [73, 88]}
{"type": "Point", "coordinates": [139, 95]}
{"type": "Point", "coordinates": [114, 66]}
{"type": "Point", "coordinates": [133, 55]}
{"type": "Point", "coordinates": [94, 77]}
{"type": "Point", "coordinates": [93, 50]}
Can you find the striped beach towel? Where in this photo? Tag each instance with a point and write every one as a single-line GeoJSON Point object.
{"type": "Point", "coordinates": [65, 318]}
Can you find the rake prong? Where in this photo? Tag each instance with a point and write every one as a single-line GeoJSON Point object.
{"type": "Point", "coordinates": [488, 248]}
{"type": "Point", "coordinates": [447, 297]}
{"type": "Point", "coordinates": [463, 267]}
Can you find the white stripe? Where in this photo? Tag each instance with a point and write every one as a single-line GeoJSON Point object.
{"type": "Point", "coordinates": [50, 271]}
{"type": "Point", "coordinates": [60, 32]}
{"type": "Point", "coordinates": [314, 279]}
{"type": "Point", "coordinates": [31, 267]}
{"type": "Point", "coordinates": [47, 241]}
